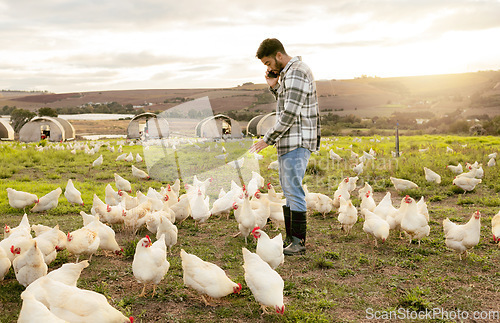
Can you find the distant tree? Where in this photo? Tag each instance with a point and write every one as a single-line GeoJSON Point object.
{"type": "Point", "coordinates": [19, 117]}
{"type": "Point", "coordinates": [477, 130]}
{"type": "Point", "coordinates": [6, 110]}
{"type": "Point", "coordinates": [48, 112]}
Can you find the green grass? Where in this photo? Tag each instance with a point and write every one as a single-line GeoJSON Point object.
{"type": "Point", "coordinates": [336, 280]}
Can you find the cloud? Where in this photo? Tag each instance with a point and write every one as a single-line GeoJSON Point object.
{"type": "Point", "coordinates": [62, 44]}
{"type": "Point", "coordinates": [106, 60]}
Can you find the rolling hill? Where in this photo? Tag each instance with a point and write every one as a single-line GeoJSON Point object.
{"type": "Point", "coordinates": [364, 97]}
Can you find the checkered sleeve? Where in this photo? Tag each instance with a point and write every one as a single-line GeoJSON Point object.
{"type": "Point", "coordinates": [294, 92]}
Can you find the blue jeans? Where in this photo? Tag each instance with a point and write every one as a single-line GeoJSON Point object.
{"type": "Point", "coordinates": [292, 168]}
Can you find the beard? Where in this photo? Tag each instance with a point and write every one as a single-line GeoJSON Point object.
{"type": "Point", "coordinates": [278, 65]}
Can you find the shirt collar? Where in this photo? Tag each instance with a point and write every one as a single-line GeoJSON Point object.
{"type": "Point", "coordinates": [290, 63]}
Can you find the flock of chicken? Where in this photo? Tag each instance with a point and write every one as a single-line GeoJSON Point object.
{"type": "Point", "coordinates": [52, 296]}
{"type": "Point", "coordinates": [156, 210]}
{"type": "Point", "coordinates": [411, 217]}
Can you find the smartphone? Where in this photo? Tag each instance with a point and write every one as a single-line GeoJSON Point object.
{"type": "Point", "coordinates": [272, 74]}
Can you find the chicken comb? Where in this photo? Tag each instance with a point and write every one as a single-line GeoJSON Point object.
{"type": "Point", "coordinates": [255, 229]}
{"type": "Point", "coordinates": [269, 185]}
{"type": "Point", "coordinates": [149, 239]}
{"type": "Point", "coordinates": [168, 187]}
{"type": "Point", "coordinates": [7, 228]}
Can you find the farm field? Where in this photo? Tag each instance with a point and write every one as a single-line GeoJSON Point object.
{"type": "Point", "coordinates": [341, 278]}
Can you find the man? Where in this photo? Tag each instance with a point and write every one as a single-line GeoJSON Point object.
{"type": "Point", "coordinates": [296, 133]}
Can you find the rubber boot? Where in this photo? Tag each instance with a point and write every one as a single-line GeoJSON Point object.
{"type": "Point", "coordinates": [288, 226]}
{"type": "Point", "coordinates": [299, 229]}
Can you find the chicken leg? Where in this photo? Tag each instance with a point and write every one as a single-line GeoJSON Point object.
{"type": "Point", "coordinates": [143, 291]}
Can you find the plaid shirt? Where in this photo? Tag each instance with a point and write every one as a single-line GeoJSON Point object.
{"type": "Point", "coordinates": [297, 111]}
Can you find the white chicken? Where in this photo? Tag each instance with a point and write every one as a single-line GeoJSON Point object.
{"type": "Point", "coordinates": [138, 216]}
{"type": "Point", "coordinates": [169, 195]}
{"type": "Point", "coordinates": [48, 201]}
{"type": "Point", "coordinates": [273, 165]}
{"type": "Point", "coordinates": [150, 264]}
{"type": "Point", "coordinates": [48, 242]}
{"type": "Point", "coordinates": [29, 265]}
{"type": "Point", "coordinates": [72, 194]}
{"type": "Point", "coordinates": [351, 183]}
{"type": "Point", "coordinates": [128, 202]}
{"type": "Point", "coordinates": [358, 169]}
{"type": "Point", "coordinates": [402, 184]}
{"type": "Point", "coordinates": [375, 225]}
{"type": "Point", "coordinates": [122, 184]}
{"type": "Point", "coordinates": [422, 208]}
{"type": "Point", "coordinates": [271, 193]}
{"type": "Point", "coordinates": [82, 241]}
{"type": "Point", "coordinates": [202, 185]}
{"type": "Point", "coordinates": [270, 250]}
{"type": "Point", "coordinates": [461, 237]}
{"type": "Point", "coordinates": [182, 209]}
{"type": "Point", "coordinates": [121, 156]}
{"type": "Point", "coordinates": [413, 223]}
{"type": "Point", "coordinates": [24, 225]}
{"type": "Point", "coordinates": [492, 162]}
{"type": "Point", "coordinates": [138, 158]}
{"type": "Point", "coordinates": [176, 187]}
{"type": "Point", "coordinates": [139, 173]}
{"type": "Point", "coordinates": [367, 201]}
{"type": "Point", "coordinates": [67, 274]}
{"type": "Point", "coordinates": [15, 239]}
{"type": "Point", "coordinates": [318, 202]}
{"type": "Point", "coordinates": [20, 199]}
{"type": "Point", "coordinates": [169, 231]}
{"type": "Point", "coordinates": [200, 210]}
{"type": "Point", "coordinates": [264, 282]}
{"type": "Point", "coordinates": [76, 305]}
{"type": "Point", "coordinates": [466, 183]}
{"type": "Point", "coordinates": [495, 228]}
{"type": "Point", "coordinates": [106, 234]}
{"type": "Point", "coordinates": [432, 176]}
{"type": "Point", "coordinates": [348, 215]}
{"type": "Point", "coordinates": [255, 183]}
{"type": "Point", "coordinates": [334, 156]}
{"type": "Point", "coordinates": [206, 278]}
{"type": "Point", "coordinates": [111, 196]}
{"type": "Point", "coordinates": [129, 158]}
{"type": "Point", "coordinates": [33, 310]}
{"type": "Point", "coordinates": [110, 214]}
{"type": "Point", "coordinates": [245, 216]}
{"type": "Point", "coordinates": [98, 161]}
{"type": "Point", "coordinates": [387, 211]}
{"type": "Point", "coordinates": [367, 187]}
{"type": "Point", "coordinates": [342, 190]}
{"type": "Point", "coordinates": [224, 204]}
{"type": "Point", "coordinates": [458, 169]}
{"type": "Point", "coordinates": [5, 264]}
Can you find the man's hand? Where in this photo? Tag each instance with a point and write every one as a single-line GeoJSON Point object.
{"type": "Point", "coordinates": [258, 146]}
{"type": "Point", "coordinates": [272, 81]}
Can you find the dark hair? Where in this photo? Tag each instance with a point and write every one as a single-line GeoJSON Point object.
{"type": "Point", "coordinates": [269, 48]}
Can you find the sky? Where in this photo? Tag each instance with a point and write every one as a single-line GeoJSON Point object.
{"type": "Point", "coordinates": [88, 45]}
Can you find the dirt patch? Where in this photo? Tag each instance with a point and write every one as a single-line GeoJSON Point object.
{"type": "Point", "coordinates": [100, 127]}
